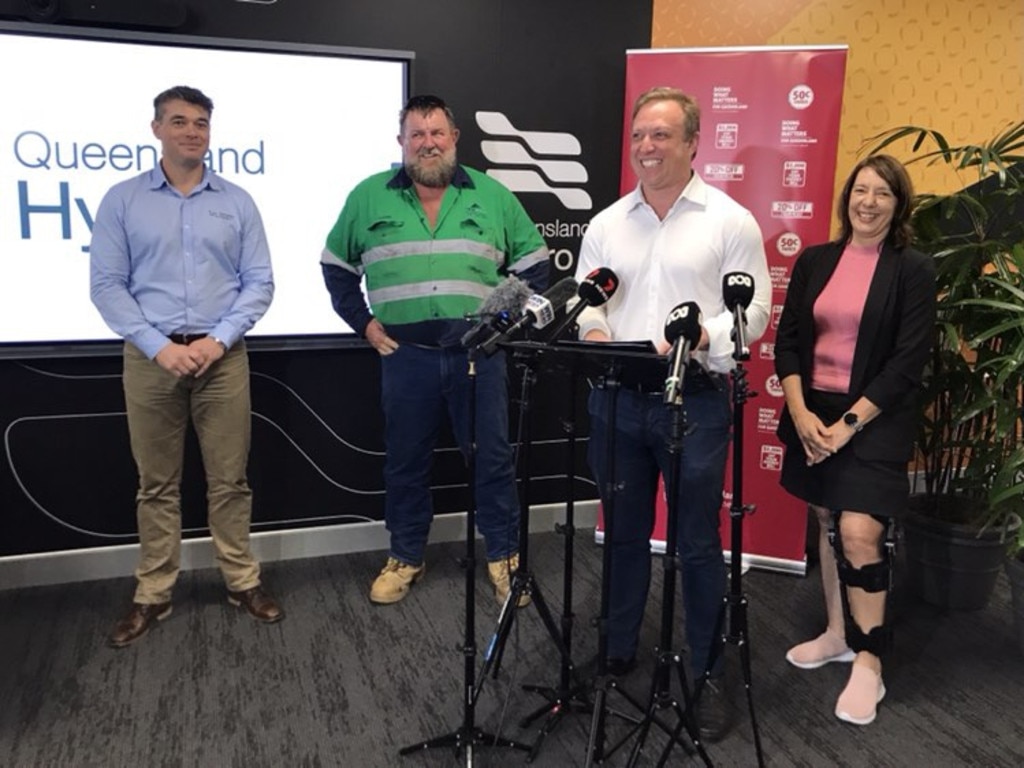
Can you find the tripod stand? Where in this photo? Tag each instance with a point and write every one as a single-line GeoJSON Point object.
{"type": "Point", "coordinates": [570, 696]}
{"type": "Point", "coordinates": [735, 601]}
{"type": "Point", "coordinates": [661, 698]}
{"type": "Point", "coordinates": [523, 583]}
{"type": "Point", "coordinates": [612, 364]}
{"type": "Point", "coordinates": [468, 736]}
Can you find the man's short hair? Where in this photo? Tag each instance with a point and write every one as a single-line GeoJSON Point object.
{"type": "Point", "coordinates": [691, 111]}
{"type": "Point", "coordinates": [181, 93]}
{"type": "Point", "coordinates": [425, 104]}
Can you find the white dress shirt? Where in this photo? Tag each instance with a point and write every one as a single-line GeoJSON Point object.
{"type": "Point", "coordinates": [662, 263]}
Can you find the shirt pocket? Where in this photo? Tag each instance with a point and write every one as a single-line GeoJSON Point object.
{"type": "Point", "coordinates": [383, 230]}
{"type": "Point", "coordinates": [221, 240]}
{"type": "Point", "coordinates": [479, 226]}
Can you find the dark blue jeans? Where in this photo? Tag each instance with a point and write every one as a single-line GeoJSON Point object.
{"type": "Point", "coordinates": [642, 429]}
{"type": "Point", "coordinates": [418, 386]}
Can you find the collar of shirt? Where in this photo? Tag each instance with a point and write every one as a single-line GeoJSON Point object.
{"type": "Point", "coordinates": [157, 179]}
{"type": "Point", "coordinates": [695, 192]}
{"type": "Point", "coordinates": [401, 179]}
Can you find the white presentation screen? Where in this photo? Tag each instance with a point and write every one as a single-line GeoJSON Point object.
{"type": "Point", "coordinates": [296, 126]}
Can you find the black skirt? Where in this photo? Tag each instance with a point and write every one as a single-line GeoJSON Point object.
{"type": "Point", "coordinates": [844, 481]}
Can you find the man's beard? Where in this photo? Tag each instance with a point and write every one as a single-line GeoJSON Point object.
{"type": "Point", "coordinates": [439, 175]}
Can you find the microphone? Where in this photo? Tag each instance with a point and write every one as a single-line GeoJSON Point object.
{"type": "Point", "coordinates": [596, 288]}
{"type": "Point", "coordinates": [738, 292]}
{"type": "Point", "coordinates": [507, 297]}
{"type": "Point", "coordinates": [538, 312]}
{"type": "Point", "coordinates": [682, 331]}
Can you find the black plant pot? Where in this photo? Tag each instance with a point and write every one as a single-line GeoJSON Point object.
{"type": "Point", "coordinates": [1015, 573]}
{"type": "Point", "coordinates": [953, 566]}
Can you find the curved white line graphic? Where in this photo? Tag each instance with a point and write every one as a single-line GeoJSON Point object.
{"type": "Point", "coordinates": [100, 534]}
{"type": "Point", "coordinates": [512, 153]}
{"type": "Point", "coordinates": [530, 181]}
{"type": "Point", "coordinates": [541, 142]}
{"type": "Point", "coordinates": [255, 524]}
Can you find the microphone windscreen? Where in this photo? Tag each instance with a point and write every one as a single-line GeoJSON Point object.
{"type": "Point", "coordinates": [560, 293]}
{"type": "Point", "coordinates": [737, 290]}
{"type": "Point", "coordinates": [509, 295]}
{"type": "Point", "coordinates": [598, 286]}
{"type": "Point", "coordinates": [683, 322]}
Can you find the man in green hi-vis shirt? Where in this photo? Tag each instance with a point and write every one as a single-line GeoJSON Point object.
{"type": "Point", "coordinates": [433, 239]}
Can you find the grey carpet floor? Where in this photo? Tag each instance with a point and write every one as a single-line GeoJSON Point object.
{"type": "Point", "coordinates": [343, 683]}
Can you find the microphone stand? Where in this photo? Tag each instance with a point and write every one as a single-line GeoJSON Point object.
{"type": "Point", "coordinates": [607, 364]}
{"type": "Point", "coordinates": [603, 683]}
{"type": "Point", "coordinates": [735, 601]}
{"type": "Point", "coordinates": [669, 660]}
{"type": "Point", "coordinates": [523, 582]}
{"type": "Point", "coordinates": [468, 736]}
{"type": "Point", "coordinates": [569, 697]}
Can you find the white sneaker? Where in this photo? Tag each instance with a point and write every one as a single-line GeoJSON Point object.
{"type": "Point", "coordinates": [858, 703]}
{"type": "Point", "coordinates": [818, 652]}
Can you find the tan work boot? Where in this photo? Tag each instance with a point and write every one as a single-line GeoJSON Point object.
{"type": "Point", "coordinates": [500, 572]}
{"type": "Point", "coordinates": [394, 581]}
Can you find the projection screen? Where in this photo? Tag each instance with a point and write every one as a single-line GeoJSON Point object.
{"type": "Point", "coordinates": [296, 125]}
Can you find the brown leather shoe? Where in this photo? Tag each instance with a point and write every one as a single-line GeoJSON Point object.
{"type": "Point", "coordinates": [258, 603]}
{"type": "Point", "coordinates": [140, 618]}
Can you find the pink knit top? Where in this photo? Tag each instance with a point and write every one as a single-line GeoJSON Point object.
{"type": "Point", "coordinates": [837, 314]}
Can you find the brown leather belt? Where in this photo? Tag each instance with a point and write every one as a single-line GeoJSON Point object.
{"type": "Point", "coordinates": [186, 338]}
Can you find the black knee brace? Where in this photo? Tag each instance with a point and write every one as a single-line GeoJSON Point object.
{"type": "Point", "coordinates": [873, 577]}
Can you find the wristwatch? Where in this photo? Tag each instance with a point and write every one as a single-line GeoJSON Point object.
{"type": "Point", "coordinates": [851, 419]}
{"type": "Point", "coordinates": [222, 344]}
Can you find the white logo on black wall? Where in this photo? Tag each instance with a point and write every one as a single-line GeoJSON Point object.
{"type": "Point", "coordinates": [521, 169]}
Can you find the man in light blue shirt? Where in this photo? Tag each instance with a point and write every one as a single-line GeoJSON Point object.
{"type": "Point", "coordinates": [180, 267]}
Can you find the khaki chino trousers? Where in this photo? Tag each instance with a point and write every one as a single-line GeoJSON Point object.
{"type": "Point", "coordinates": [160, 406]}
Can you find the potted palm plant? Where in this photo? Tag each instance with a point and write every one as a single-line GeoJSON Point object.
{"type": "Point", "coordinates": [965, 513]}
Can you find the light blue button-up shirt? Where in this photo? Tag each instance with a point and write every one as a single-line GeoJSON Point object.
{"type": "Point", "coordinates": [162, 262]}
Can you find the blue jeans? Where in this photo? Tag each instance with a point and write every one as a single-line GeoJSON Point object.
{"type": "Point", "coordinates": [418, 385]}
{"type": "Point", "coordinates": [642, 429]}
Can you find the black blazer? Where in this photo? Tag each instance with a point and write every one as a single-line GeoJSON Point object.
{"type": "Point", "coordinates": [893, 343]}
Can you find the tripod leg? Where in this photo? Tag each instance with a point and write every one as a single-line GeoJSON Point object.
{"type": "Point", "coordinates": [548, 620]}
{"type": "Point", "coordinates": [595, 744]}
{"type": "Point", "coordinates": [748, 686]}
{"type": "Point", "coordinates": [496, 647]}
{"type": "Point", "coordinates": [559, 704]}
{"type": "Point", "coordinates": [656, 699]}
{"type": "Point", "coordinates": [463, 741]}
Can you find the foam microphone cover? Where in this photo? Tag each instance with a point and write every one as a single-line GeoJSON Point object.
{"type": "Point", "coordinates": [683, 322]}
{"type": "Point", "coordinates": [560, 293]}
{"type": "Point", "coordinates": [509, 295]}
{"type": "Point", "coordinates": [737, 290]}
{"type": "Point", "coordinates": [598, 286]}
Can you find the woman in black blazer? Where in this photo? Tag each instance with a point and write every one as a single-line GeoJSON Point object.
{"type": "Point", "coordinates": [853, 340]}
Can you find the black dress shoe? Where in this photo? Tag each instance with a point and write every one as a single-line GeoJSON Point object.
{"type": "Point", "coordinates": [714, 710]}
{"type": "Point", "coordinates": [613, 667]}
{"type": "Point", "coordinates": [620, 667]}
{"type": "Point", "coordinates": [140, 618]}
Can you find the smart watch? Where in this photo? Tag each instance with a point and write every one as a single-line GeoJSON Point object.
{"type": "Point", "coordinates": [851, 419]}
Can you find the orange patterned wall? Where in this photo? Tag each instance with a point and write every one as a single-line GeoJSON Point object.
{"type": "Point", "coordinates": [953, 65]}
